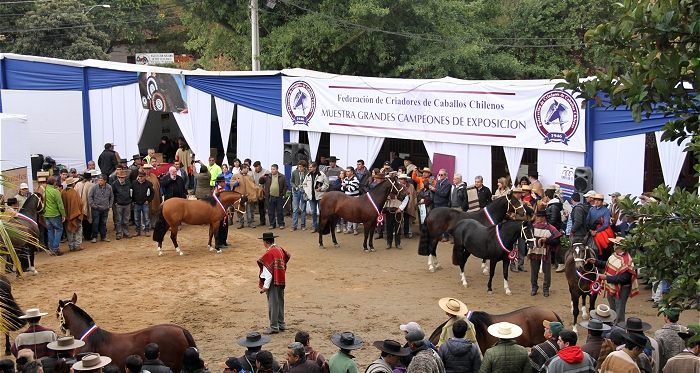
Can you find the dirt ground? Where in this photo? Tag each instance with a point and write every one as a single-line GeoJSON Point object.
{"type": "Point", "coordinates": [125, 286]}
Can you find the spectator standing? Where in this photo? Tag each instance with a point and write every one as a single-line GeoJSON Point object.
{"type": "Point", "coordinates": [100, 199]}
{"type": "Point", "coordinates": [54, 215]}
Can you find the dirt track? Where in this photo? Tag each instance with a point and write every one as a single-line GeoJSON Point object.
{"type": "Point", "coordinates": [125, 286]}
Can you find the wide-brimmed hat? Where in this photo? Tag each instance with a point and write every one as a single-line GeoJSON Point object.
{"type": "Point", "coordinates": [617, 240]}
{"type": "Point", "coordinates": [254, 339]}
{"type": "Point", "coordinates": [11, 201]}
{"type": "Point", "coordinates": [599, 196]}
{"type": "Point", "coordinates": [346, 340]}
{"type": "Point", "coordinates": [527, 187]}
{"type": "Point", "coordinates": [453, 306]}
{"type": "Point", "coordinates": [692, 335]}
{"type": "Point", "coordinates": [136, 156]}
{"type": "Point", "coordinates": [72, 180]}
{"type": "Point", "coordinates": [403, 176]}
{"type": "Point", "coordinates": [590, 193]}
{"type": "Point", "coordinates": [33, 312]}
{"type": "Point", "coordinates": [220, 178]}
{"type": "Point", "coordinates": [65, 343]}
{"type": "Point", "coordinates": [268, 236]}
{"type": "Point", "coordinates": [232, 363]}
{"type": "Point", "coordinates": [87, 175]}
{"type": "Point", "coordinates": [639, 340]}
{"type": "Point", "coordinates": [603, 313]}
{"type": "Point", "coordinates": [595, 324]}
{"type": "Point", "coordinates": [380, 175]}
{"type": "Point", "coordinates": [121, 173]}
{"type": "Point", "coordinates": [551, 187]}
{"type": "Point", "coordinates": [23, 186]}
{"type": "Point", "coordinates": [391, 347]}
{"type": "Point", "coordinates": [333, 158]}
{"type": "Point", "coordinates": [541, 213]}
{"type": "Point", "coordinates": [147, 165]}
{"type": "Point", "coordinates": [505, 330]}
{"type": "Point", "coordinates": [517, 190]}
{"type": "Point", "coordinates": [634, 324]}
{"type": "Point", "coordinates": [41, 179]}
{"type": "Point", "coordinates": [427, 169]}
{"type": "Point", "coordinates": [92, 361]}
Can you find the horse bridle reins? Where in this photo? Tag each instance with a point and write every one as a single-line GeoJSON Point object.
{"type": "Point", "coordinates": [515, 209]}
{"type": "Point", "coordinates": [62, 323]}
{"type": "Point", "coordinates": [582, 276]}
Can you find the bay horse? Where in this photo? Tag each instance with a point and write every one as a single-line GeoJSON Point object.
{"type": "Point", "coordinates": [443, 220]}
{"type": "Point", "coordinates": [26, 224]}
{"type": "Point", "coordinates": [172, 340]}
{"type": "Point", "coordinates": [496, 242]}
{"type": "Point", "coordinates": [583, 279]}
{"type": "Point", "coordinates": [528, 318]}
{"type": "Point", "coordinates": [209, 210]}
{"type": "Point", "coordinates": [9, 311]}
{"type": "Point", "coordinates": [357, 209]}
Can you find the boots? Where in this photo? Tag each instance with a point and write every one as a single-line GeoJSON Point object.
{"type": "Point", "coordinates": [560, 268]}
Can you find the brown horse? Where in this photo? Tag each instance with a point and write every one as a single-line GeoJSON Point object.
{"type": "Point", "coordinates": [528, 318]}
{"type": "Point", "coordinates": [172, 340]}
{"type": "Point", "coordinates": [443, 220]}
{"type": "Point", "coordinates": [210, 210]}
{"type": "Point", "coordinates": [357, 209]}
{"type": "Point", "coordinates": [9, 311]}
{"type": "Point", "coordinates": [26, 224]}
{"type": "Point", "coordinates": [581, 276]}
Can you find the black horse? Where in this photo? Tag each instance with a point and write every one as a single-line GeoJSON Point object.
{"type": "Point", "coordinates": [10, 311]}
{"type": "Point", "coordinates": [496, 243]}
{"type": "Point", "coordinates": [444, 219]}
{"type": "Point", "coordinates": [583, 279]}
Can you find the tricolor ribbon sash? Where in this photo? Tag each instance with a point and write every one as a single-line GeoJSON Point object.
{"type": "Point", "coordinates": [222, 207]}
{"type": "Point", "coordinates": [25, 217]}
{"type": "Point", "coordinates": [88, 332]}
{"type": "Point", "coordinates": [596, 287]}
{"type": "Point", "coordinates": [512, 254]}
{"type": "Point", "coordinates": [488, 216]}
{"type": "Point", "coordinates": [380, 216]}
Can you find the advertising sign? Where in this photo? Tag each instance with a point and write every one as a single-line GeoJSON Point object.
{"type": "Point", "coordinates": [154, 58]}
{"type": "Point", "coordinates": [565, 180]}
{"type": "Point", "coordinates": [163, 92]}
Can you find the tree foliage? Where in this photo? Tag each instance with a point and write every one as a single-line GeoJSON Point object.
{"type": "Point", "coordinates": [652, 67]}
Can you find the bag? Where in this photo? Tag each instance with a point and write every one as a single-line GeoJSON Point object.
{"type": "Point", "coordinates": [422, 213]}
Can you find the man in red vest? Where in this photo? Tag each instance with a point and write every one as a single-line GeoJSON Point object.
{"type": "Point", "coordinates": [273, 267]}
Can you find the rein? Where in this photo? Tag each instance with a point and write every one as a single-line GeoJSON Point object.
{"type": "Point", "coordinates": [595, 286]}
{"type": "Point", "coordinates": [515, 209]}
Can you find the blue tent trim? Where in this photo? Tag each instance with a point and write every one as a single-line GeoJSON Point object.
{"type": "Point", "coordinates": [613, 123]}
{"type": "Point", "coordinates": [103, 78]}
{"type": "Point", "coordinates": [39, 76]}
{"type": "Point", "coordinates": [259, 93]}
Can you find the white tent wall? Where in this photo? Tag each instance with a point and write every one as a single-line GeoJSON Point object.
{"type": "Point", "coordinates": [55, 123]}
{"type": "Point", "coordinates": [14, 146]}
{"type": "Point", "coordinates": [547, 163]}
{"type": "Point", "coordinates": [117, 116]}
{"type": "Point", "coordinates": [293, 136]}
{"type": "Point", "coordinates": [470, 160]}
{"type": "Point", "coordinates": [672, 157]}
{"type": "Point", "coordinates": [224, 111]}
{"type": "Point", "coordinates": [260, 137]}
{"type": "Point", "coordinates": [618, 165]}
{"type": "Point", "coordinates": [314, 142]}
{"type": "Point", "coordinates": [349, 148]}
{"type": "Point", "coordinates": [196, 123]}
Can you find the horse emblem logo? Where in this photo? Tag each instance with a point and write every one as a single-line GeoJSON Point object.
{"type": "Point", "coordinates": [300, 101]}
{"type": "Point", "coordinates": [557, 116]}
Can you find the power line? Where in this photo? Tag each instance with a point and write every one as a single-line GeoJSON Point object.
{"type": "Point", "coordinates": [24, 2]}
{"type": "Point", "coordinates": [136, 8]}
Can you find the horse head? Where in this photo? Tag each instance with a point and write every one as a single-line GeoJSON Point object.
{"type": "Point", "coordinates": [527, 232]}
{"type": "Point", "coordinates": [401, 192]}
{"type": "Point", "coordinates": [514, 205]}
{"type": "Point", "coordinates": [581, 254]}
{"type": "Point", "coordinates": [34, 205]}
{"type": "Point", "coordinates": [60, 316]}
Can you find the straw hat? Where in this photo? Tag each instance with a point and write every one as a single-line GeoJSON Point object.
{"type": "Point", "coordinates": [505, 330]}
{"type": "Point", "coordinates": [33, 312]}
{"type": "Point", "coordinates": [65, 343]}
{"type": "Point", "coordinates": [599, 196]}
{"type": "Point", "coordinates": [526, 188]}
{"type": "Point", "coordinates": [92, 361]}
{"type": "Point", "coordinates": [72, 180]}
{"type": "Point", "coordinates": [147, 165]}
{"type": "Point", "coordinates": [453, 306]}
{"type": "Point", "coordinates": [427, 169]}
{"type": "Point", "coordinates": [617, 240]}
{"type": "Point", "coordinates": [518, 190]}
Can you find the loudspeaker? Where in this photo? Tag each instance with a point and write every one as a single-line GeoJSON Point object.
{"type": "Point", "coordinates": [583, 179]}
{"type": "Point", "coordinates": [294, 152]}
{"type": "Point", "coordinates": [37, 161]}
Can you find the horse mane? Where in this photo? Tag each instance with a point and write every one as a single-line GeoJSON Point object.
{"type": "Point", "coordinates": [210, 200]}
{"type": "Point", "coordinates": [99, 337]}
{"type": "Point", "coordinates": [481, 321]}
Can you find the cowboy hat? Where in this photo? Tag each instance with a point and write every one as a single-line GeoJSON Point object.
{"type": "Point", "coordinates": [41, 179]}
{"type": "Point", "coordinates": [23, 186]}
{"type": "Point", "coordinates": [590, 193]}
{"type": "Point", "coordinates": [254, 339]}
{"type": "Point", "coordinates": [268, 236]}
{"type": "Point", "coordinates": [595, 324]}
{"type": "Point", "coordinates": [453, 306]}
{"type": "Point", "coordinates": [136, 156]}
{"type": "Point", "coordinates": [65, 343]}
{"type": "Point", "coordinates": [346, 341]}
{"type": "Point", "coordinates": [12, 201]}
{"type": "Point", "coordinates": [639, 340]}
{"type": "Point", "coordinates": [33, 312]}
{"type": "Point", "coordinates": [599, 196]}
{"type": "Point", "coordinates": [403, 176]}
{"type": "Point", "coordinates": [121, 173]}
{"type": "Point", "coordinates": [220, 178]}
{"type": "Point", "coordinates": [541, 213]}
{"type": "Point", "coordinates": [505, 330]}
{"type": "Point", "coordinates": [333, 158]}
{"type": "Point", "coordinates": [617, 240]}
{"type": "Point", "coordinates": [147, 165]}
{"type": "Point", "coordinates": [72, 180]}
{"type": "Point", "coordinates": [634, 324]}
{"type": "Point", "coordinates": [692, 335]}
{"type": "Point", "coordinates": [517, 190]}
{"type": "Point", "coordinates": [391, 347]}
{"type": "Point", "coordinates": [603, 313]}
{"type": "Point", "coordinates": [427, 169]}
{"type": "Point", "coordinates": [527, 187]}
{"type": "Point", "coordinates": [92, 361]}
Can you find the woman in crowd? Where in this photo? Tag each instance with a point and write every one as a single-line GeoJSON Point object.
{"type": "Point", "coordinates": [227, 175]}
{"type": "Point", "coordinates": [236, 168]}
{"type": "Point", "coordinates": [503, 188]}
{"type": "Point", "coordinates": [425, 199]}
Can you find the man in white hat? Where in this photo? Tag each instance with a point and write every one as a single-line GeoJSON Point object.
{"type": "Point", "coordinates": [22, 195]}
{"type": "Point", "coordinates": [36, 337]}
{"type": "Point", "coordinates": [92, 363]}
{"type": "Point", "coordinates": [505, 356]}
{"type": "Point", "coordinates": [456, 310]}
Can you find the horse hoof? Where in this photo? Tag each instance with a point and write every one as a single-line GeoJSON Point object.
{"type": "Point", "coordinates": [486, 273]}
{"type": "Point", "coordinates": [431, 269]}
{"type": "Point", "coordinates": [336, 245]}
{"type": "Point", "coordinates": [181, 253]}
{"type": "Point", "coordinates": [211, 248]}
{"type": "Point", "coordinates": [160, 253]}
{"type": "Point", "coordinates": [465, 285]}
{"type": "Point", "coordinates": [575, 329]}
{"type": "Point", "coordinates": [489, 292]}
{"type": "Point", "coordinates": [219, 251]}
{"type": "Point", "coordinates": [508, 292]}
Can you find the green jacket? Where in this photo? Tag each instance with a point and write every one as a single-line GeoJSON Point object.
{"type": "Point", "coordinates": [342, 363]}
{"type": "Point", "coordinates": [214, 170]}
{"type": "Point", "coordinates": [506, 356]}
{"type": "Point", "coordinates": [54, 203]}
{"type": "Point", "coordinates": [297, 178]}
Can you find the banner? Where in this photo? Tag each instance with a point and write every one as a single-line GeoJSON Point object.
{"type": "Point", "coordinates": [14, 177]}
{"type": "Point", "coordinates": [154, 58]}
{"type": "Point", "coordinates": [525, 114]}
{"type": "Point", "coordinates": [565, 180]}
{"type": "Point", "coordinates": [163, 92]}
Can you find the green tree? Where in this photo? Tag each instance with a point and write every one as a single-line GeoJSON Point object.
{"type": "Point", "coordinates": [653, 64]}
{"type": "Point", "coordinates": [60, 29]}
{"type": "Point", "coordinates": [9, 14]}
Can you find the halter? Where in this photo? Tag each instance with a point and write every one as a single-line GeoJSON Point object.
{"type": "Point", "coordinates": [62, 323]}
{"type": "Point", "coordinates": [595, 286]}
{"type": "Point", "coordinates": [510, 204]}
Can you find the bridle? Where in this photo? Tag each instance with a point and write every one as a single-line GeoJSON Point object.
{"type": "Point", "coordinates": [61, 318]}
{"type": "Point", "coordinates": [595, 285]}
{"type": "Point", "coordinates": [523, 233]}
{"type": "Point", "coordinates": [511, 205]}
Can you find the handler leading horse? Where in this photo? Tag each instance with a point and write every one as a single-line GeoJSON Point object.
{"type": "Point", "coordinates": [444, 219]}
{"type": "Point", "coordinates": [207, 210]}
{"type": "Point", "coordinates": [365, 208]}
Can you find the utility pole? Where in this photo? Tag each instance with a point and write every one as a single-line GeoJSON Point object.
{"type": "Point", "coordinates": [255, 66]}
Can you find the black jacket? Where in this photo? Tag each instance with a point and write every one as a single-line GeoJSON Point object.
{"type": "Point", "coordinates": [122, 193]}
{"type": "Point", "coordinates": [460, 355]}
{"type": "Point", "coordinates": [173, 187]}
{"type": "Point", "coordinates": [107, 162]}
{"type": "Point", "coordinates": [553, 211]}
{"type": "Point", "coordinates": [142, 192]}
{"type": "Point", "coordinates": [485, 196]}
{"type": "Point", "coordinates": [155, 366]}
{"type": "Point", "coordinates": [578, 220]}
{"type": "Point", "coordinates": [441, 195]}
{"type": "Point", "coordinates": [167, 150]}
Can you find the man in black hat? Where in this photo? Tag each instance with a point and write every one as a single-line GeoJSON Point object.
{"type": "Point", "coordinates": [297, 361]}
{"type": "Point", "coordinates": [64, 347]}
{"type": "Point", "coordinates": [342, 361]}
{"type": "Point", "coordinates": [273, 268]}
{"type": "Point", "coordinates": [332, 170]}
{"type": "Point", "coordinates": [135, 166]}
{"type": "Point", "coordinates": [649, 359]}
{"type": "Point", "coordinates": [390, 357]}
{"type": "Point", "coordinates": [107, 160]}
{"type": "Point", "coordinates": [547, 238]}
{"type": "Point", "coordinates": [264, 361]}
{"type": "Point", "coordinates": [623, 361]}
{"type": "Point", "coordinates": [253, 342]}
{"type": "Point", "coordinates": [595, 337]}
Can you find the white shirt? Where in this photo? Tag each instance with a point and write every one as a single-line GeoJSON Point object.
{"type": "Point", "coordinates": [267, 276]}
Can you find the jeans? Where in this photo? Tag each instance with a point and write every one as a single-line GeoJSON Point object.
{"type": "Point", "coordinates": [75, 239]}
{"type": "Point", "coordinates": [99, 223]}
{"type": "Point", "coordinates": [297, 202]}
{"type": "Point", "coordinates": [315, 205]}
{"type": "Point", "coordinates": [248, 214]}
{"type": "Point", "coordinates": [54, 226]}
{"type": "Point", "coordinates": [274, 208]}
{"type": "Point", "coordinates": [142, 210]}
{"type": "Point", "coordinates": [122, 217]}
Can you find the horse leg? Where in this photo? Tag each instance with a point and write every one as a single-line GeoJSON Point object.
{"type": "Point", "coordinates": [213, 230]}
{"type": "Point", "coordinates": [574, 306]}
{"type": "Point", "coordinates": [373, 227]}
{"type": "Point", "coordinates": [505, 276]}
{"type": "Point", "coordinates": [492, 265]}
{"type": "Point", "coordinates": [32, 250]}
{"type": "Point", "coordinates": [485, 268]}
{"type": "Point", "coordinates": [463, 257]}
{"type": "Point", "coordinates": [334, 221]}
{"type": "Point", "coordinates": [7, 344]}
{"type": "Point", "coordinates": [173, 237]}
{"type": "Point", "coordinates": [435, 260]}
{"type": "Point", "coordinates": [364, 242]}
{"type": "Point", "coordinates": [584, 311]}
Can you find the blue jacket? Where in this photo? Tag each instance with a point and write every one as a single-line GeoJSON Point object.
{"type": "Point", "coordinates": [441, 197]}
{"type": "Point", "coordinates": [595, 214]}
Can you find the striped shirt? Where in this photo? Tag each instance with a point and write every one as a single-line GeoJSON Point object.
{"type": "Point", "coordinates": [35, 338]}
{"type": "Point", "coordinates": [352, 186]}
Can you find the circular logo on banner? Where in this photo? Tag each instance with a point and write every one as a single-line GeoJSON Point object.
{"type": "Point", "coordinates": [557, 116]}
{"type": "Point", "coordinates": [300, 101]}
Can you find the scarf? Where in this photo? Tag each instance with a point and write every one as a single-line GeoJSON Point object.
{"type": "Point", "coordinates": [571, 354]}
{"type": "Point", "coordinates": [275, 260]}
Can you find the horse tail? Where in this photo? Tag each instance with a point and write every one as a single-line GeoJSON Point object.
{"type": "Point", "coordinates": [424, 243]}
{"type": "Point", "coordinates": [10, 310]}
{"type": "Point", "coordinates": [326, 229]}
{"type": "Point", "coordinates": [188, 336]}
{"type": "Point", "coordinates": [558, 318]}
{"type": "Point", "coordinates": [160, 227]}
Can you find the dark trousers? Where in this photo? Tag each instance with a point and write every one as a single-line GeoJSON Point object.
{"type": "Point", "coordinates": [535, 272]}
{"type": "Point", "coordinates": [522, 252]}
{"type": "Point", "coordinates": [99, 223]}
{"type": "Point", "coordinates": [274, 208]}
{"type": "Point", "coordinates": [87, 230]}
{"type": "Point", "coordinates": [222, 234]}
{"type": "Point", "coordinates": [619, 305]}
{"type": "Point", "coordinates": [261, 211]}
{"type": "Point", "coordinates": [275, 307]}
{"type": "Point", "coordinates": [392, 222]}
